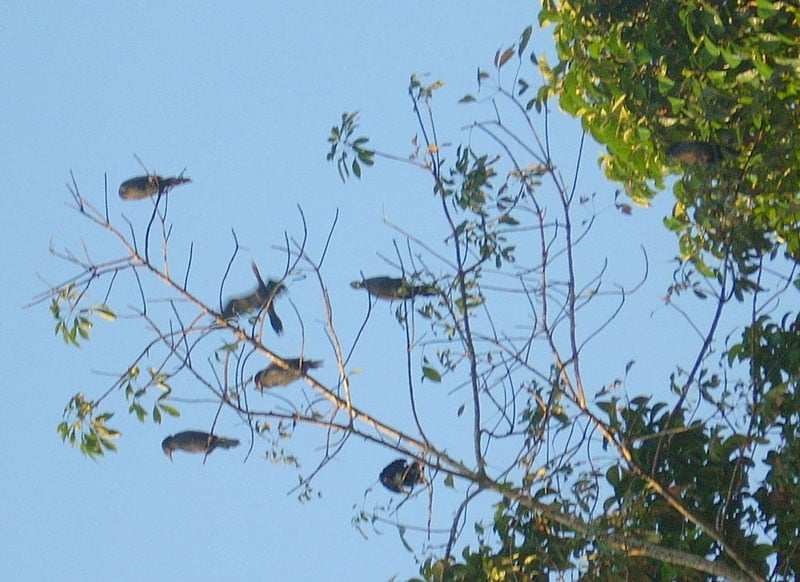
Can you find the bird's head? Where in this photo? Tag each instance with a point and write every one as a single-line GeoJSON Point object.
{"type": "Point", "coordinates": [357, 284]}
{"type": "Point", "coordinates": [167, 446]}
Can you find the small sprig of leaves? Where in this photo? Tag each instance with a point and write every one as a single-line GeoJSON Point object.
{"type": "Point", "coordinates": [344, 145]}
{"type": "Point", "coordinates": [84, 428]}
{"type": "Point", "coordinates": [134, 395]}
{"type": "Point", "coordinates": [80, 326]}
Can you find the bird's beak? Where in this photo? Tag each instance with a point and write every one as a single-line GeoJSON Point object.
{"type": "Point", "coordinates": [168, 453]}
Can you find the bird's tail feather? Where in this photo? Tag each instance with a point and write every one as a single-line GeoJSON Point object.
{"type": "Point", "coordinates": [227, 443]}
{"type": "Point", "coordinates": [425, 290]}
{"type": "Point", "coordinates": [175, 181]}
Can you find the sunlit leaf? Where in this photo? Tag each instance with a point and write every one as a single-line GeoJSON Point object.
{"type": "Point", "coordinates": [431, 374]}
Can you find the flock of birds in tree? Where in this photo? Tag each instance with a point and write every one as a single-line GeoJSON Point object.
{"type": "Point", "coordinates": [399, 476]}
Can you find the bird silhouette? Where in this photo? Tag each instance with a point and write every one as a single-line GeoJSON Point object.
{"type": "Point", "coordinates": [393, 288]}
{"type": "Point", "coordinates": [263, 296]}
{"type": "Point", "coordinates": [695, 153]}
{"type": "Point", "coordinates": [150, 185]}
{"type": "Point", "coordinates": [399, 474]}
{"type": "Point", "coordinates": [195, 441]}
{"type": "Point", "coordinates": [276, 375]}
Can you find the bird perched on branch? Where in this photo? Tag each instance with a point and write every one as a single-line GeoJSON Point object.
{"type": "Point", "coordinates": [399, 474]}
{"type": "Point", "coordinates": [391, 288]}
{"type": "Point", "coordinates": [262, 297]}
{"type": "Point", "coordinates": [146, 186]}
{"type": "Point", "coordinates": [695, 153]}
{"type": "Point", "coordinates": [195, 441]}
{"type": "Point", "coordinates": [276, 375]}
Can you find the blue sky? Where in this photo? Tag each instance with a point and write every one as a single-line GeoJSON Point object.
{"type": "Point", "coordinates": [242, 96]}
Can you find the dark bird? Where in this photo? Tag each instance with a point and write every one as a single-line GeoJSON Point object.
{"type": "Point", "coordinates": [399, 474]}
{"type": "Point", "coordinates": [695, 153]}
{"type": "Point", "coordinates": [263, 296]}
{"type": "Point", "coordinates": [146, 186]}
{"type": "Point", "coordinates": [391, 288]}
{"type": "Point", "coordinates": [195, 441]}
{"type": "Point", "coordinates": [276, 375]}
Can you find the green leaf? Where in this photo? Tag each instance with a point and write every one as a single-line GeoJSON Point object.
{"type": "Point", "coordinates": [108, 445]}
{"type": "Point", "coordinates": [140, 412]}
{"type": "Point", "coordinates": [508, 219]}
{"type": "Point", "coordinates": [710, 47]}
{"type": "Point", "coordinates": [766, 9]}
{"type": "Point", "coordinates": [171, 410]}
{"type": "Point", "coordinates": [366, 156]}
{"type": "Point", "coordinates": [665, 84]}
{"type": "Point", "coordinates": [105, 312]}
{"type": "Point", "coordinates": [431, 374]}
{"type": "Point", "coordinates": [523, 41]}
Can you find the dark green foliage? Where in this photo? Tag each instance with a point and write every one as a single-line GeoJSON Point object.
{"type": "Point", "coordinates": [644, 75]}
{"type": "Point", "coordinates": [345, 145]}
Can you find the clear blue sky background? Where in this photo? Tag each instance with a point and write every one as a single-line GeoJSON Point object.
{"type": "Point", "coordinates": [243, 96]}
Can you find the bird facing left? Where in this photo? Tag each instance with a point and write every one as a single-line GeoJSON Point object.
{"type": "Point", "coordinates": [146, 186]}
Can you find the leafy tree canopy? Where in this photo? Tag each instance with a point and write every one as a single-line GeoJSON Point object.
{"type": "Point", "coordinates": [643, 76]}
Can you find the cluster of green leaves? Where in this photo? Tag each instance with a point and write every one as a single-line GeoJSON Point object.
{"type": "Point", "coordinates": [531, 547]}
{"type": "Point", "coordinates": [700, 466]}
{"type": "Point", "coordinates": [476, 212]}
{"type": "Point", "coordinates": [85, 429]}
{"type": "Point", "coordinates": [72, 332]}
{"type": "Point", "coordinates": [773, 349]}
{"type": "Point", "coordinates": [468, 184]}
{"type": "Point", "coordinates": [644, 75]}
{"type": "Point", "coordinates": [134, 395]}
{"type": "Point", "coordinates": [344, 144]}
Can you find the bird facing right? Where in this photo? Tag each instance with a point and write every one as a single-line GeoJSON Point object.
{"type": "Point", "coordinates": [195, 441]}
